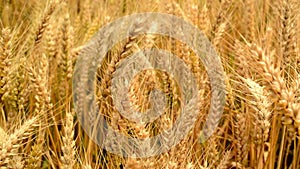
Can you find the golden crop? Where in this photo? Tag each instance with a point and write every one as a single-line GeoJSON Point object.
{"type": "Point", "coordinates": [258, 42]}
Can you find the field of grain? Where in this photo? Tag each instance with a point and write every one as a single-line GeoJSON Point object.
{"type": "Point", "coordinates": [258, 42]}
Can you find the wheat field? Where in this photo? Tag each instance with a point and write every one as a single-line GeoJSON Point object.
{"type": "Point", "coordinates": [258, 43]}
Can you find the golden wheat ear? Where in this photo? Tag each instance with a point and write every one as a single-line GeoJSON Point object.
{"type": "Point", "coordinates": [68, 148]}
{"type": "Point", "coordinates": [10, 146]}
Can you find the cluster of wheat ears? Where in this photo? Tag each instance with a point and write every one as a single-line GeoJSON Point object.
{"type": "Point", "coordinates": [258, 43]}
